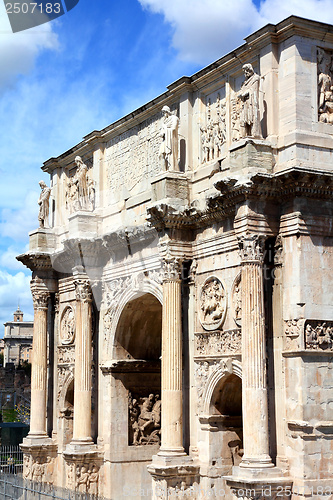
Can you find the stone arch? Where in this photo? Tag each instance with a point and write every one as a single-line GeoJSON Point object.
{"type": "Point", "coordinates": [216, 379]}
{"type": "Point", "coordinates": [140, 287]}
{"type": "Point", "coordinates": [69, 379]}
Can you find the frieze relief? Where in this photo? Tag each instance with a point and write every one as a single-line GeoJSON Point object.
{"type": "Point", "coordinates": [134, 156]}
{"type": "Point", "coordinates": [66, 354]}
{"type": "Point", "coordinates": [325, 86]}
{"type": "Point", "coordinates": [144, 420]}
{"type": "Point", "coordinates": [213, 304]}
{"type": "Point", "coordinates": [216, 343]}
{"type": "Point", "coordinates": [213, 134]}
{"type": "Point", "coordinates": [292, 332]}
{"type": "Point", "coordinates": [67, 326]}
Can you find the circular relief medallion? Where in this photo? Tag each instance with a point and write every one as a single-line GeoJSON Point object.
{"type": "Point", "coordinates": [236, 295]}
{"type": "Point", "coordinates": [67, 327]}
{"type": "Point", "coordinates": [213, 304]}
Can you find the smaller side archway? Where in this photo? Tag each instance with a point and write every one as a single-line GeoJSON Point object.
{"type": "Point", "coordinates": [222, 419]}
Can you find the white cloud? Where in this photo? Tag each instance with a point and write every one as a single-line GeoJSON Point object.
{"type": "Point", "coordinates": [8, 258]}
{"type": "Point", "coordinates": [16, 223]}
{"type": "Point", "coordinates": [205, 30]}
{"type": "Point", "coordinates": [14, 289]}
{"type": "Point", "coordinates": [18, 51]}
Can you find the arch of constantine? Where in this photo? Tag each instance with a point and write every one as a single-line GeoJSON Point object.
{"type": "Point", "coordinates": [183, 330]}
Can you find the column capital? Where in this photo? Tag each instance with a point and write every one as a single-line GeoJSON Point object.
{"type": "Point", "coordinates": [82, 289]}
{"type": "Point", "coordinates": [172, 268]}
{"type": "Point", "coordinates": [251, 247]}
{"type": "Point", "coordinates": [40, 294]}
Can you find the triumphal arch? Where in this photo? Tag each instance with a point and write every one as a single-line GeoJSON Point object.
{"type": "Point", "coordinates": [182, 287]}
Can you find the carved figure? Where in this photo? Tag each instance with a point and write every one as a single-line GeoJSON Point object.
{"type": "Point", "coordinates": [249, 95]}
{"type": "Point", "coordinates": [82, 480]}
{"type": "Point", "coordinates": [319, 335]}
{"type": "Point", "coordinates": [71, 196]}
{"type": "Point", "coordinates": [37, 471]}
{"type": "Point", "coordinates": [67, 326]}
{"type": "Point", "coordinates": [169, 148]}
{"type": "Point", "coordinates": [212, 303]}
{"type": "Point", "coordinates": [91, 194]}
{"type": "Point", "coordinates": [325, 86]}
{"type": "Point", "coordinates": [213, 135]}
{"type": "Point", "coordinates": [43, 202]}
{"type": "Point", "coordinates": [93, 480]}
{"type": "Point", "coordinates": [81, 181]}
{"type": "Point", "coordinates": [144, 420]}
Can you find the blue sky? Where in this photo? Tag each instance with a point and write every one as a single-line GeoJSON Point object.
{"type": "Point", "coordinates": [86, 69]}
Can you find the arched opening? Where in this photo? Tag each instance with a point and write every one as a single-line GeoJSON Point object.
{"type": "Point", "coordinates": [226, 420]}
{"type": "Point", "coordinates": [137, 371]}
{"type": "Point", "coordinates": [138, 334]}
{"type": "Point", "coordinates": [67, 413]}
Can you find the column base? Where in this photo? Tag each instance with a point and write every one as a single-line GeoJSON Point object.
{"type": "Point", "coordinates": [175, 477]}
{"type": "Point", "coordinates": [80, 447]}
{"type": "Point", "coordinates": [36, 440]}
{"type": "Point", "coordinates": [264, 462]}
{"type": "Point", "coordinates": [270, 489]}
{"type": "Point", "coordinates": [171, 452]}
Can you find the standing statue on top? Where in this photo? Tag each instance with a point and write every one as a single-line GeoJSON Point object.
{"type": "Point", "coordinates": [81, 181]}
{"type": "Point", "coordinates": [249, 96]}
{"type": "Point", "coordinates": [43, 202]}
{"type": "Point", "coordinates": [168, 154]}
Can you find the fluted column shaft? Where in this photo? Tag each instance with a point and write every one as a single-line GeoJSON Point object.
{"type": "Point", "coordinates": [172, 396]}
{"type": "Point", "coordinates": [83, 361]}
{"type": "Point", "coordinates": [254, 391]}
{"type": "Point", "coordinates": [39, 364]}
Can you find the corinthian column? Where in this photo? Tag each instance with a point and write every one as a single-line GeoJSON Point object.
{"type": "Point", "coordinates": [172, 396]}
{"type": "Point", "coordinates": [83, 359]}
{"type": "Point", "coordinates": [39, 362]}
{"type": "Point", "coordinates": [254, 392]}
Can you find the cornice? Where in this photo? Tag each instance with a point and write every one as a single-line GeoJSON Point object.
{"type": "Point", "coordinates": [36, 261]}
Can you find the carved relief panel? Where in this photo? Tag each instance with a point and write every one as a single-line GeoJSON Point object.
{"type": "Point", "coordinates": [213, 131]}
{"type": "Point", "coordinates": [216, 343]}
{"type": "Point", "coordinates": [318, 335]}
{"type": "Point", "coordinates": [67, 326]}
{"type": "Point", "coordinates": [213, 304]}
{"type": "Point", "coordinates": [144, 419]}
{"type": "Point", "coordinates": [325, 85]}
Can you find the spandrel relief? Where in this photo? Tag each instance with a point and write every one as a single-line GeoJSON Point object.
{"type": "Point", "coordinates": [213, 133]}
{"type": "Point", "coordinates": [213, 304]}
{"type": "Point", "coordinates": [144, 420]}
{"type": "Point", "coordinates": [325, 86]}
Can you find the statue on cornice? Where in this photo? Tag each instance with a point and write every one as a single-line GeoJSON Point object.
{"type": "Point", "coordinates": [43, 202]}
{"type": "Point", "coordinates": [249, 95]}
{"type": "Point", "coordinates": [81, 181]}
{"type": "Point", "coordinates": [168, 154]}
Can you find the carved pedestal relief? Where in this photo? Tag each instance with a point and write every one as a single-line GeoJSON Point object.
{"type": "Point", "coordinates": [83, 477]}
{"type": "Point", "coordinates": [39, 469]}
{"type": "Point", "coordinates": [325, 86]}
{"type": "Point", "coordinates": [213, 304]}
{"type": "Point", "coordinates": [213, 134]}
{"type": "Point", "coordinates": [144, 419]}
